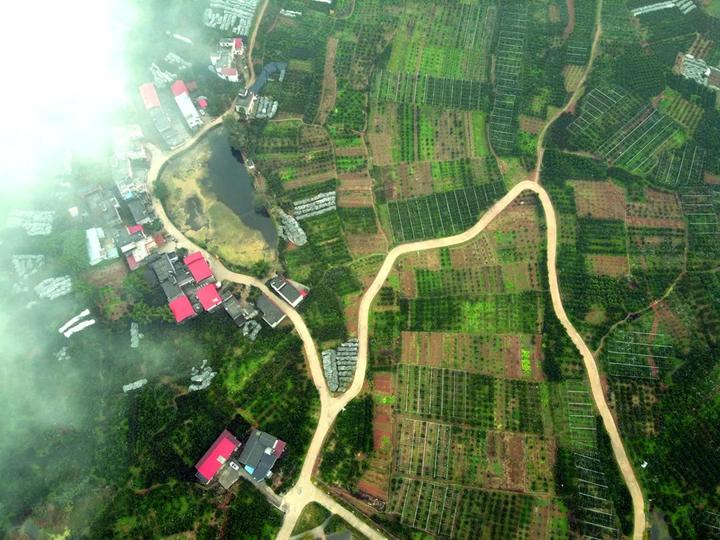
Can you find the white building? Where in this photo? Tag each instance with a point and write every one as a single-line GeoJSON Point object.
{"type": "Point", "coordinates": [185, 104]}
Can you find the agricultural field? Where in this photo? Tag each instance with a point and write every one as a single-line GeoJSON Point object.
{"type": "Point", "coordinates": [469, 416]}
{"type": "Point", "coordinates": [634, 179]}
{"type": "Point", "coordinates": [441, 214]}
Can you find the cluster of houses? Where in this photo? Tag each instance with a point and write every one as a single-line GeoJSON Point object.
{"type": "Point", "coordinates": [172, 137]}
{"type": "Point", "coordinates": [225, 60]}
{"type": "Point", "coordinates": [191, 288]}
{"type": "Point", "coordinates": [251, 103]}
{"type": "Point", "coordinates": [188, 284]}
{"type": "Point", "coordinates": [228, 459]}
{"type": "Point", "coordinates": [190, 109]}
{"type": "Point", "coordinates": [108, 237]}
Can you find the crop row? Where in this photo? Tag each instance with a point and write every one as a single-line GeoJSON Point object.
{"type": "Point", "coordinates": [603, 110]}
{"type": "Point", "coordinates": [470, 398]}
{"type": "Point", "coordinates": [441, 214]}
{"type": "Point", "coordinates": [451, 512]}
{"type": "Point", "coordinates": [509, 52]}
{"type": "Point", "coordinates": [636, 145]}
{"type": "Point", "coordinates": [427, 90]}
{"type": "Point", "coordinates": [485, 313]}
{"type": "Point", "coordinates": [681, 167]}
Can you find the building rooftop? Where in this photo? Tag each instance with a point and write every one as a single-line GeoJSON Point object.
{"type": "Point", "coordinates": [216, 456]}
{"type": "Point", "coordinates": [261, 452]}
{"type": "Point", "coordinates": [199, 268]}
{"type": "Point", "coordinates": [149, 96]}
{"type": "Point", "coordinates": [171, 290]}
{"type": "Point", "coordinates": [178, 87]}
{"type": "Point", "coordinates": [272, 314]}
{"type": "Point", "coordinates": [286, 290]}
{"type": "Point", "coordinates": [181, 308]}
{"type": "Point", "coordinates": [139, 211]}
{"type": "Point", "coordinates": [163, 268]}
{"type": "Point", "coordinates": [209, 297]}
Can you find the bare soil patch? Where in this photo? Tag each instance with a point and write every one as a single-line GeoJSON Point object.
{"type": "Point", "coordinates": [361, 245]}
{"type": "Point", "coordinates": [600, 200]}
{"type": "Point", "coordinates": [329, 85]}
{"type": "Point", "coordinates": [571, 19]}
{"type": "Point", "coordinates": [112, 274]}
{"type": "Point", "coordinates": [608, 265]}
{"type": "Point", "coordinates": [531, 124]}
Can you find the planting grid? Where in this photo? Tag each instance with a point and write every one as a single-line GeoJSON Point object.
{"type": "Point", "coordinates": [681, 167]}
{"type": "Point", "coordinates": [427, 90]}
{"type": "Point", "coordinates": [460, 282]}
{"type": "Point", "coordinates": [443, 40]}
{"type": "Point", "coordinates": [601, 111]}
{"type": "Point", "coordinates": [636, 145]}
{"type": "Point", "coordinates": [597, 515]}
{"type": "Point", "coordinates": [639, 355]}
{"type": "Point", "coordinates": [578, 46]}
{"type": "Point", "coordinates": [294, 152]}
{"type": "Point", "coordinates": [509, 53]}
{"type": "Point", "coordinates": [700, 208]}
{"type": "Point", "coordinates": [486, 354]}
{"type": "Point", "coordinates": [449, 511]}
{"type": "Point", "coordinates": [472, 414]}
{"type": "Point", "coordinates": [441, 214]}
{"type": "Point", "coordinates": [439, 451]}
{"type": "Point", "coordinates": [446, 394]}
{"type": "Point", "coordinates": [505, 313]}
{"type": "Point", "coordinates": [471, 398]}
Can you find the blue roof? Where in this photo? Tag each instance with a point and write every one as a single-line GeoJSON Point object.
{"type": "Point", "coordinates": [262, 79]}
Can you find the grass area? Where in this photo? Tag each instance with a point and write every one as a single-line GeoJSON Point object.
{"type": "Point", "coordinates": [313, 515]}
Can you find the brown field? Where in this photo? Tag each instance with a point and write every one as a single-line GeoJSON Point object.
{"type": "Point", "coordinates": [363, 244]}
{"type": "Point", "coordinates": [406, 180]}
{"type": "Point", "coordinates": [375, 480]}
{"type": "Point", "coordinates": [451, 141]}
{"type": "Point", "coordinates": [601, 200]}
{"type": "Point", "coordinates": [608, 265]}
{"type": "Point", "coordinates": [423, 259]}
{"type": "Point", "coordinates": [351, 151]}
{"type": "Point", "coordinates": [531, 124]}
{"type": "Point", "coordinates": [511, 357]}
{"type": "Point", "coordinates": [506, 460]}
{"type": "Point", "coordinates": [479, 252]}
{"type": "Point", "coordinates": [354, 198]}
{"type": "Point", "coordinates": [662, 210]}
{"type": "Point", "coordinates": [309, 180]}
{"type": "Point", "coordinates": [381, 127]}
{"type": "Point", "coordinates": [329, 86]}
{"type": "Point", "coordinates": [408, 285]}
{"type": "Point", "coordinates": [521, 276]}
{"type": "Point", "coordinates": [383, 382]}
{"type": "Point", "coordinates": [112, 274]}
{"type": "Point", "coordinates": [497, 355]}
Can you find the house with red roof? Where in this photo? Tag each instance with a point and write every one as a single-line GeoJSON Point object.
{"type": "Point", "coordinates": [209, 297]}
{"type": "Point", "coordinates": [216, 456]}
{"type": "Point", "coordinates": [198, 266]}
{"type": "Point", "coordinates": [149, 96]}
{"type": "Point", "coordinates": [181, 308]}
